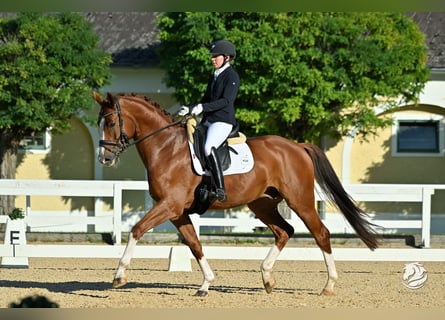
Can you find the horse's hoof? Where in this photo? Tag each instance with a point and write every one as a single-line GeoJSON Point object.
{"type": "Point", "coordinates": [201, 293]}
{"type": "Point", "coordinates": [269, 286]}
{"type": "Point", "coordinates": [268, 280]}
{"type": "Point", "coordinates": [327, 292]}
{"type": "Point", "coordinates": [119, 282]}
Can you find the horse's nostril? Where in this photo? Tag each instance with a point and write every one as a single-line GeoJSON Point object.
{"type": "Point", "coordinates": [103, 159]}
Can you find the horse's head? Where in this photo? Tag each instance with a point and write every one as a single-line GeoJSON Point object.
{"type": "Point", "coordinates": [111, 130]}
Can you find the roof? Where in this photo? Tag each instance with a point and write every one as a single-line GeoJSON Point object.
{"type": "Point", "coordinates": [432, 25]}
{"type": "Point", "coordinates": [130, 37]}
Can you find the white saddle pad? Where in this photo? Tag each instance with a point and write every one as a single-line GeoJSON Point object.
{"type": "Point", "coordinates": [241, 162]}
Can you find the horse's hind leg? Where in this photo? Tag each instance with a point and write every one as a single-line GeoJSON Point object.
{"type": "Point", "coordinates": [308, 214]}
{"type": "Point", "coordinates": [187, 230]}
{"type": "Point", "coordinates": [266, 210]}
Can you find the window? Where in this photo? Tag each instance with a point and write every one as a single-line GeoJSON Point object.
{"type": "Point", "coordinates": [416, 135]}
{"type": "Point", "coordinates": [35, 143]}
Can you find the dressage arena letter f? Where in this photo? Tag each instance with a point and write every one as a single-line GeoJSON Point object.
{"type": "Point", "coordinates": [14, 235]}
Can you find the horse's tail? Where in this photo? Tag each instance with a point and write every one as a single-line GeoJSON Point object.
{"type": "Point", "coordinates": [330, 184]}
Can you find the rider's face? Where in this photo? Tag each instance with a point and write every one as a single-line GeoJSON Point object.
{"type": "Point", "coordinates": [218, 61]}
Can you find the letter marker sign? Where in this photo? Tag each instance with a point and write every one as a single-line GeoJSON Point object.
{"type": "Point", "coordinates": [15, 236]}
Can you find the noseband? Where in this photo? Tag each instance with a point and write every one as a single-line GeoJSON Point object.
{"type": "Point", "coordinates": [123, 142]}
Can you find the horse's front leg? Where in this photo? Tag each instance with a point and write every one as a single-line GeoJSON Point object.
{"type": "Point", "coordinates": [120, 278]}
{"type": "Point", "coordinates": [208, 277]}
{"type": "Point", "coordinates": [157, 215]}
{"type": "Point", "coordinates": [187, 230]}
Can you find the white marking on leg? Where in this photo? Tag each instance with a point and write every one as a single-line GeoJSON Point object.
{"type": "Point", "coordinates": [271, 257]}
{"type": "Point", "coordinates": [126, 257]}
{"type": "Point", "coordinates": [207, 273]}
{"type": "Point", "coordinates": [332, 273]}
{"type": "Point", "coordinates": [267, 266]}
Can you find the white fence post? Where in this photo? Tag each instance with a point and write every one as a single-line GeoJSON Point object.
{"type": "Point", "coordinates": [117, 214]}
{"type": "Point", "coordinates": [28, 205]}
{"type": "Point", "coordinates": [426, 216]}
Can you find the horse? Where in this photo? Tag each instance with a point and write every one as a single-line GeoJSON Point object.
{"type": "Point", "coordinates": [283, 170]}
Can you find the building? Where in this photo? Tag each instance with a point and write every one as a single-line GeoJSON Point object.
{"type": "Point", "coordinates": [395, 156]}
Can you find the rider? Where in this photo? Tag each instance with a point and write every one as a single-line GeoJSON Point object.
{"type": "Point", "coordinates": [218, 108]}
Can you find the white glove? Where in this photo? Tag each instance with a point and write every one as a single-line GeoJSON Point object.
{"type": "Point", "coordinates": [196, 109]}
{"type": "Point", "coordinates": [183, 111]}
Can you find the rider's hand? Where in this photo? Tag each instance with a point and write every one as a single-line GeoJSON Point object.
{"type": "Point", "coordinates": [196, 109]}
{"type": "Point", "coordinates": [183, 111]}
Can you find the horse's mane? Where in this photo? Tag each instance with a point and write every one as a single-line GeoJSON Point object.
{"type": "Point", "coordinates": [150, 102]}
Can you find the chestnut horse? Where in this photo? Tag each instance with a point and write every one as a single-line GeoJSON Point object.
{"type": "Point", "coordinates": [283, 170]}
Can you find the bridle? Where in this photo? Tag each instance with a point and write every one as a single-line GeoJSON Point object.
{"type": "Point", "coordinates": [123, 142]}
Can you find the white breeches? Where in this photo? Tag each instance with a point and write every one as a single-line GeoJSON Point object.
{"type": "Point", "coordinates": [217, 133]}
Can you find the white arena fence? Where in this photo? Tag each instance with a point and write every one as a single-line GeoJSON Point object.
{"type": "Point", "coordinates": [114, 189]}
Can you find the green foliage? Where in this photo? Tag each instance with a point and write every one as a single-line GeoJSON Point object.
{"type": "Point", "coordinates": [303, 75]}
{"type": "Point", "coordinates": [16, 213]}
{"type": "Point", "coordinates": [49, 64]}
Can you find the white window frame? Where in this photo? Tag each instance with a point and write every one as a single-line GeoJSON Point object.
{"type": "Point", "coordinates": [417, 117]}
{"type": "Point", "coordinates": [46, 148]}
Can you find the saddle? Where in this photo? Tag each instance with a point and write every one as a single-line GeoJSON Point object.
{"type": "Point", "coordinates": [197, 136]}
{"type": "Point", "coordinates": [234, 154]}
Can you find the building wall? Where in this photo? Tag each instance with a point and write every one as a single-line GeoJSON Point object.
{"type": "Point", "coordinates": [374, 162]}
{"type": "Point", "coordinates": [71, 157]}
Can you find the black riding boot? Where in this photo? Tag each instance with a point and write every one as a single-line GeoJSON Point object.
{"type": "Point", "coordinates": [218, 177]}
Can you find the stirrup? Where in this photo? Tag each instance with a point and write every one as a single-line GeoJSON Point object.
{"type": "Point", "coordinates": [221, 194]}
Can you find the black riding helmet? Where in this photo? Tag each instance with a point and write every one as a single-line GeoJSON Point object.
{"type": "Point", "coordinates": [223, 47]}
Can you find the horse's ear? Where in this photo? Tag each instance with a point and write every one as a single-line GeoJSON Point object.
{"type": "Point", "coordinates": [110, 98]}
{"type": "Point", "coordinates": [97, 97]}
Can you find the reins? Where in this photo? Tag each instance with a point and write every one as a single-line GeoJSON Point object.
{"type": "Point", "coordinates": [154, 132]}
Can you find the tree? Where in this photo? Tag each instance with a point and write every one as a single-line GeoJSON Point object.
{"type": "Point", "coordinates": [303, 75]}
{"type": "Point", "coordinates": [49, 65]}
